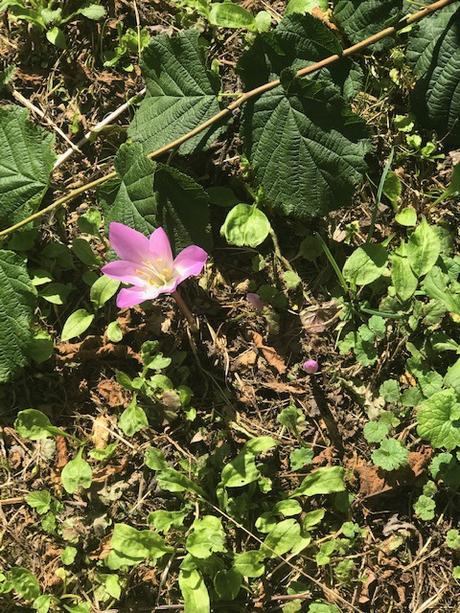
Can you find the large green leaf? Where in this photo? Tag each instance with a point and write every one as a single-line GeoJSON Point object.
{"type": "Point", "coordinates": [17, 296]}
{"type": "Point", "coordinates": [181, 93]}
{"type": "Point", "coordinates": [438, 420]}
{"type": "Point", "coordinates": [130, 199]}
{"type": "Point", "coordinates": [306, 145]}
{"type": "Point", "coordinates": [194, 592]}
{"type": "Point", "coordinates": [147, 195]}
{"type": "Point", "coordinates": [183, 208]}
{"type": "Point", "coordinates": [307, 149]}
{"type": "Point", "coordinates": [359, 19]}
{"type": "Point", "coordinates": [26, 163]}
{"type": "Point", "coordinates": [424, 37]}
{"type": "Point", "coordinates": [435, 52]}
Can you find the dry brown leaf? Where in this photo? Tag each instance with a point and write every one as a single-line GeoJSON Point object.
{"type": "Point", "coordinates": [269, 353]}
{"type": "Point", "coordinates": [100, 433]}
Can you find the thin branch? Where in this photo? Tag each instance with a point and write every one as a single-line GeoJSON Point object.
{"type": "Point", "coordinates": [408, 20]}
{"type": "Point", "coordinates": [94, 132]}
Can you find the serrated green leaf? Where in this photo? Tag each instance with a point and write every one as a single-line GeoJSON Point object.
{"type": "Point", "coordinates": [77, 323]}
{"type": "Point", "coordinates": [181, 94]}
{"type": "Point", "coordinates": [298, 458]}
{"type": "Point", "coordinates": [130, 199]}
{"type": "Point", "coordinates": [435, 51]}
{"type": "Point", "coordinates": [390, 455]}
{"type": "Point", "coordinates": [425, 507]}
{"type": "Point", "coordinates": [182, 209]}
{"type": "Point", "coordinates": [25, 165]}
{"type": "Point", "coordinates": [306, 165]}
{"type": "Point", "coordinates": [325, 480]}
{"type": "Point", "coordinates": [375, 431]}
{"type": "Point", "coordinates": [17, 300]}
{"type": "Point", "coordinates": [39, 500]}
{"type": "Point", "coordinates": [24, 583]}
{"type": "Point", "coordinates": [438, 420]}
{"type": "Point", "coordinates": [360, 19]}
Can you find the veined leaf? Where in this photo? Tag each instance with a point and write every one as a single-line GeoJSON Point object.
{"type": "Point", "coordinates": [435, 51]}
{"type": "Point", "coordinates": [306, 145]}
{"type": "Point", "coordinates": [181, 94]}
{"type": "Point", "coordinates": [194, 592]}
{"type": "Point", "coordinates": [131, 200]}
{"type": "Point", "coordinates": [359, 19]}
{"type": "Point", "coordinates": [25, 165]}
{"type": "Point", "coordinates": [325, 480]}
{"type": "Point", "coordinates": [17, 298]}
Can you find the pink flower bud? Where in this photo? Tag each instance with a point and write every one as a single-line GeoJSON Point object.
{"type": "Point", "coordinates": [310, 366]}
{"type": "Point", "coordinates": [255, 301]}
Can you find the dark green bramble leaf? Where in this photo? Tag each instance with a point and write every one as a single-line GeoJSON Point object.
{"type": "Point", "coordinates": [130, 199]}
{"type": "Point", "coordinates": [182, 208]}
{"type": "Point", "coordinates": [326, 480]}
{"type": "Point", "coordinates": [305, 144]}
{"type": "Point", "coordinates": [360, 19]}
{"type": "Point", "coordinates": [17, 300]}
{"type": "Point", "coordinates": [181, 94]}
{"type": "Point", "coordinates": [435, 52]}
{"type": "Point", "coordinates": [194, 592]}
{"type": "Point", "coordinates": [25, 165]}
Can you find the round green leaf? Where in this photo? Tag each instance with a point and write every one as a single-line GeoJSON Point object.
{"type": "Point", "coordinates": [245, 226]}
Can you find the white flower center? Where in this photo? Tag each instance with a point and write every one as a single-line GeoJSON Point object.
{"type": "Point", "coordinates": [156, 272]}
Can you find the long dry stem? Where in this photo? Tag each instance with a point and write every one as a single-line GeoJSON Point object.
{"type": "Point", "coordinates": [228, 110]}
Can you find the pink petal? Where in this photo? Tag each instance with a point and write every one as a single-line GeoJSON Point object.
{"type": "Point", "coordinates": [128, 272]}
{"type": "Point", "coordinates": [190, 262]}
{"type": "Point", "coordinates": [129, 244]}
{"type": "Point", "coordinates": [129, 297]}
{"type": "Point", "coordinates": [159, 246]}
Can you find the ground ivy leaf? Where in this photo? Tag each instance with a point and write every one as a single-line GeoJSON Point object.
{"type": "Point", "coordinates": [425, 507]}
{"type": "Point", "coordinates": [298, 458]}
{"type": "Point", "coordinates": [181, 94]}
{"type": "Point", "coordinates": [76, 474]}
{"type": "Point", "coordinates": [207, 537]}
{"type": "Point", "coordinates": [391, 454]}
{"type": "Point", "coordinates": [375, 431]}
{"type": "Point", "coordinates": [39, 500]}
{"type": "Point", "coordinates": [26, 164]}
{"type": "Point", "coordinates": [325, 480]}
{"type": "Point", "coordinates": [307, 165]}
{"type": "Point", "coordinates": [438, 420]}
{"type": "Point", "coordinates": [194, 592]}
{"type": "Point", "coordinates": [17, 300]}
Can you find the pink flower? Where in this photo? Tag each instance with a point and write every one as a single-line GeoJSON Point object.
{"type": "Point", "coordinates": [148, 264]}
{"type": "Point", "coordinates": [310, 366]}
{"type": "Point", "coordinates": [255, 301]}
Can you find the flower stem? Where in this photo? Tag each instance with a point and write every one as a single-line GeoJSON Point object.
{"type": "Point", "coordinates": [185, 311]}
